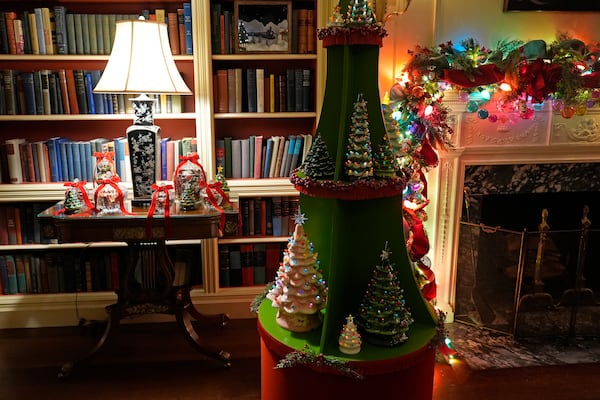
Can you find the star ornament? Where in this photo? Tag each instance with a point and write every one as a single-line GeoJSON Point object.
{"type": "Point", "coordinates": [300, 218]}
{"type": "Point", "coordinates": [385, 253]}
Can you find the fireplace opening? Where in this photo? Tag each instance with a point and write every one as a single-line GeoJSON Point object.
{"type": "Point", "coordinates": [526, 271]}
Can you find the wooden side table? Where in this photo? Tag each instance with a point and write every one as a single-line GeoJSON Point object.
{"type": "Point", "coordinates": [146, 286]}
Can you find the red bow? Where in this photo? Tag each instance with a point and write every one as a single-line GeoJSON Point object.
{"type": "Point", "coordinates": [157, 190]}
{"type": "Point", "coordinates": [540, 79]}
{"type": "Point", "coordinates": [213, 201]}
{"type": "Point", "coordinates": [193, 158]}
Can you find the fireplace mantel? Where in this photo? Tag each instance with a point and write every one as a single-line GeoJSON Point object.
{"type": "Point", "coordinates": [546, 138]}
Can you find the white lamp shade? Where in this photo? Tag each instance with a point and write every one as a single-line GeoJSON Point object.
{"type": "Point", "coordinates": [141, 61]}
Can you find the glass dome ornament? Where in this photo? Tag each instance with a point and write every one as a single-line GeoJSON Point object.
{"type": "Point", "coordinates": [105, 166]}
{"type": "Point", "coordinates": [109, 197]}
{"type": "Point", "coordinates": [189, 179]}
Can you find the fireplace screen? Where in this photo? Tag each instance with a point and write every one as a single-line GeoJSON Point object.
{"type": "Point", "coordinates": [527, 283]}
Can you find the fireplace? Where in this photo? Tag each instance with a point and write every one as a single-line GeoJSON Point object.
{"type": "Point", "coordinates": [518, 162]}
{"type": "Point", "coordinates": [521, 220]}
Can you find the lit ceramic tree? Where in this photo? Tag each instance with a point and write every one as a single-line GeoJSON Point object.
{"type": "Point", "coordinates": [299, 290]}
{"type": "Point", "coordinates": [349, 341]}
{"type": "Point", "coordinates": [384, 160]}
{"type": "Point", "coordinates": [382, 314]}
{"type": "Point", "coordinates": [359, 163]}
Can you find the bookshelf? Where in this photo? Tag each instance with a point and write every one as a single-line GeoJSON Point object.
{"type": "Point", "coordinates": [199, 119]}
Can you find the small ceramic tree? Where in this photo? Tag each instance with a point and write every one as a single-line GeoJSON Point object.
{"type": "Point", "coordinates": [349, 341]}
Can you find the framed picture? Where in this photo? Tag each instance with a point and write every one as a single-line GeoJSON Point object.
{"type": "Point", "coordinates": [551, 5]}
{"type": "Point", "coordinates": [262, 26]}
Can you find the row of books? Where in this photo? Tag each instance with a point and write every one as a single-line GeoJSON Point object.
{"type": "Point", "coordinates": [261, 157]}
{"type": "Point", "coordinates": [85, 270]}
{"type": "Point", "coordinates": [60, 271]}
{"type": "Point", "coordinates": [19, 225]}
{"type": "Point", "coordinates": [223, 32]}
{"type": "Point", "coordinates": [66, 91]}
{"type": "Point", "coordinates": [60, 159]}
{"type": "Point", "coordinates": [249, 264]}
{"type": "Point", "coordinates": [255, 90]}
{"type": "Point", "coordinates": [48, 31]}
{"type": "Point", "coordinates": [268, 216]}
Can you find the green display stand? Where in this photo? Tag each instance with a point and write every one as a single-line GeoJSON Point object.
{"type": "Point", "coordinates": [349, 223]}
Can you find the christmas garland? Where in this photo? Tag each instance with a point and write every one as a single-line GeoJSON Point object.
{"type": "Point", "coordinates": [311, 359]}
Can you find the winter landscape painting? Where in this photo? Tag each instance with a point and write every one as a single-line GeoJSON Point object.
{"type": "Point", "coordinates": [262, 27]}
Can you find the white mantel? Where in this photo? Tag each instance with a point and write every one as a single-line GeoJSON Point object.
{"type": "Point", "coordinates": [547, 138]}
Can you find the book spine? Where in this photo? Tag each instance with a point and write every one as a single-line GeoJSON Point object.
{"type": "Point", "coordinates": [47, 29]}
{"type": "Point", "coordinates": [187, 22]}
{"type": "Point", "coordinates": [258, 147]}
{"type": "Point", "coordinates": [181, 27]}
{"type": "Point", "coordinates": [35, 46]}
{"type": "Point", "coordinates": [251, 89]}
{"type": "Point", "coordinates": [173, 30]}
{"type": "Point", "coordinates": [260, 90]}
{"type": "Point", "coordinates": [29, 91]}
{"type": "Point", "coordinates": [10, 16]}
{"type": "Point", "coordinates": [60, 21]}
{"type": "Point", "coordinates": [70, 24]}
{"type": "Point", "coordinates": [3, 35]}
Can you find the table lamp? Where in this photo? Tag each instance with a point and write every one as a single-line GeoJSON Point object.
{"type": "Point", "coordinates": [141, 63]}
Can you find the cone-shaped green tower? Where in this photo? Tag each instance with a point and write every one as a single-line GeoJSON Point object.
{"type": "Point", "coordinates": [350, 219]}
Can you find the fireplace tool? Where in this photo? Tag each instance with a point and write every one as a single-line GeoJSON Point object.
{"type": "Point", "coordinates": [580, 296]}
{"type": "Point", "coordinates": [534, 309]}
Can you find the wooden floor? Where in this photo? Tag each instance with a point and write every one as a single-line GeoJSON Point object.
{"type": "Point", "coordinates": [152, 362]}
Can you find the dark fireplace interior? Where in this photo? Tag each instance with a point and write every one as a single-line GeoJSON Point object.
{"type": "Point", "coordinates": [503, 248]}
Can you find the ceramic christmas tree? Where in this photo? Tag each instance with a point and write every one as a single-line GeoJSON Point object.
{"type": "Point", "coordinates": [384, 160]}
{"type": "Point", "coordinates": [359, 162]}
{"type": "Point", "coordinates": [382, 314]}
{"type": "Point", "coordinates": [318, 163]}
{"type": "Point", "coordinates": [349, 341]}
{"type": "Point", "coordinates": [299, 291]}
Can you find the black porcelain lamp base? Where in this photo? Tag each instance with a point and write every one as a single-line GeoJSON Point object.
{"type": "Point", "coordinates": [144, 158]}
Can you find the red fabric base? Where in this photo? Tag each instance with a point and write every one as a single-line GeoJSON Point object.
{"type": "Point", "coordinates": [409, 377]}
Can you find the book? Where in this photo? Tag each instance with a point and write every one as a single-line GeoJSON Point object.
{"type": "Point", "coordinates": [267, 158]}
{"type": "Point", "coordinates": [245, 158]}
{"type": "Point", "coordinates": [4, 49]}
{"type": "Point", "coordinates": [173, 30]}
{"type": "Point", "coordinates": [298, 82]}
{"type": "Point", "coordinates": [39, 24]}
{"type": "Point", "coordinates": [246, 262]}
{"type": "Point", "coordinates": [78, 22]}
{"type": "Point", "coordinates": [251, 89]}
{"type": "Point", "coordinates": [274, 154]}
{"type": "Point", "coordinates": [9, 91]}
{"type": "Point", "coordinates": [71, 43]}
{"type": "Point", "coordinates": [71, 94]}
{"type": "Point", "coordinates": [29, 92]}
{"type": "Point", "coordinates": [238, 89]}
{"type": "Point", "coordinates": [187, 23]}
{"type": "Point", "coordinates": [3, 226]}
{"type": "Point", "coordinates": [231, 92]}
{"type": "Point", "coordinates": [284, 159]}
{"type": "Point", "coordinates": [258, 147]}
{"type": "Point", "coordinates": [224, 266]}
{"type": "Point", "coordinates": [20, 274]}
{"type": "Point", "coordinates": [307, 90]}
{"type": "Point", "coordinates": [220, 154]}
{"type": "Point", "coordinates": [11, 272]}
{"type": "Point", "coordinates": [235, 263]}
{"type": "Point", "coordinates": [33, 36]}
{"type": "Point", "coordinates": [228, 164]}
{"type": "Point", "coordinates": [81, 91]}
{"type": "Point", "coordinates": [13, 155]}
{"type": "Point", "coordinates": [60, 23]}
{"type": "Point", "coordinates": [260, 90]}
{"type": "Point", "coordinates": [295, 162]}
{"type": "Point", "coordinates": [280, 152]}
{"type": "Point", "coordinates": [306, 144]}
{"type": "Point", "coordinates": [259, 252]}
{"type": "Point", "coordinates": [47, 28]}
{"type": "Point", "coordinates": [236, 158]}
{"type": "Point", "coordinates": [222, 92]}
{"type": "Point", "coordinates": [290, 86]}
{"type": "Point", "coordinates": [3, 275]}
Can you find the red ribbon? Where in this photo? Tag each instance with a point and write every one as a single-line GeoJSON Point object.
{"type": "Point", "coordinates": [114, 183]}
{"type": "Point", "coordinates": [213, 201]}
{"type": "Point", "coordinates": [193, 158]}
{"type": "Point", "coordinates": [152, 210]}
{"type": "Point", "coordinates": [110, 156]}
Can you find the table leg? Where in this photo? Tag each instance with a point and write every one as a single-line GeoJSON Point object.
{"type": "Point", "coordinates": [185, 312]}
{"type": "Point", "coordinates": [113, 322]}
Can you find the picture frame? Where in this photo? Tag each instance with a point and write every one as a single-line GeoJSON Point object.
{"type": "Point", "coordinates": [262, 26]}
{"type": "Point", "coordinates": [551, 5]}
